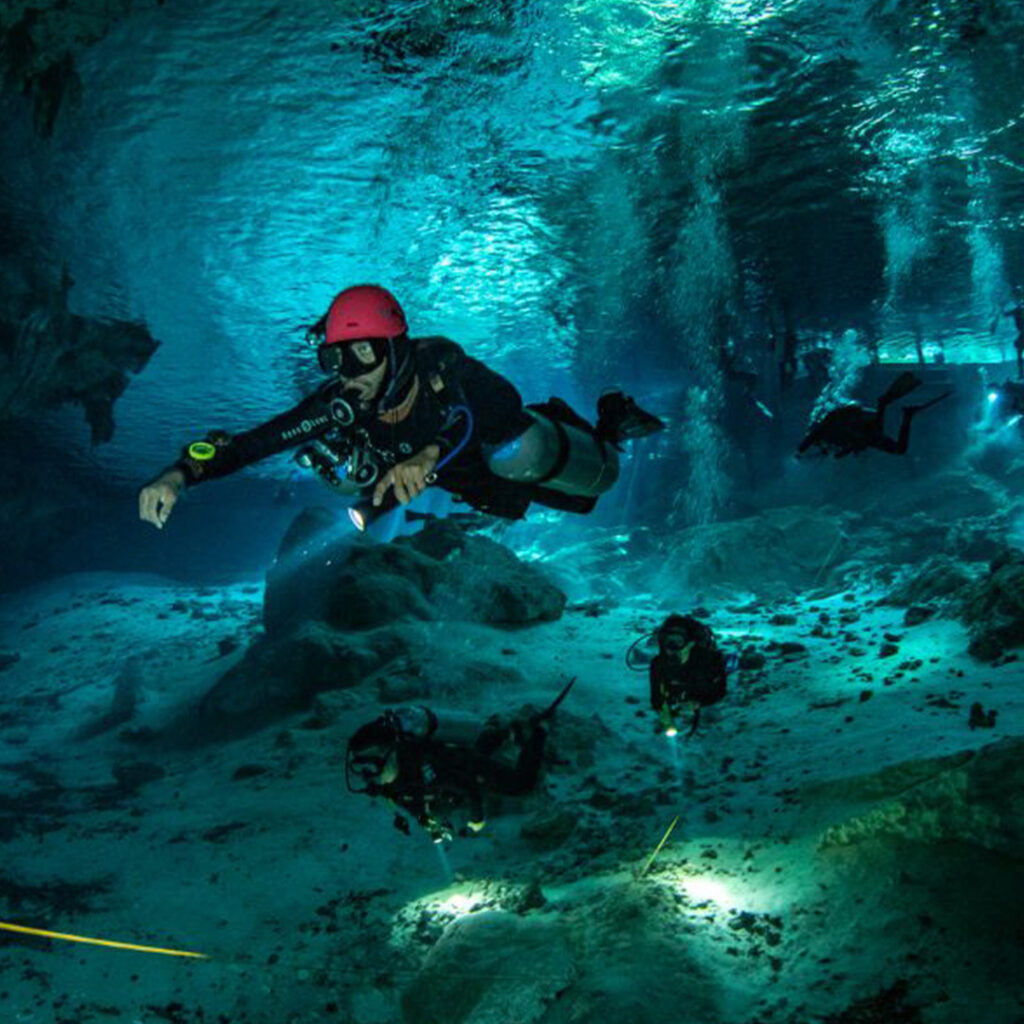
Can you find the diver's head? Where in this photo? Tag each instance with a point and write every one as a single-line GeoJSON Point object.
{"type": "Point", "coordinates": [371, 760]}
{"type": "Point", "coordinates": [363, 338]}
{"type": "Point", "coordinates": [676, 637]}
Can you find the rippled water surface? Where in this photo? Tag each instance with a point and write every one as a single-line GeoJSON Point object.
{"type": "Point", "coordinates": [580, 192]}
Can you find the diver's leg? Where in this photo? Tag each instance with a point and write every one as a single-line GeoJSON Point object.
{"type": "Point", "coordinates": [902, 385]}
{"type": "Point", "coordinates": [899, 446]}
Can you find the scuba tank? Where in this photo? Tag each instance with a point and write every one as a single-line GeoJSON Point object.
{"type": "Point", "coordinates": [556, 455]}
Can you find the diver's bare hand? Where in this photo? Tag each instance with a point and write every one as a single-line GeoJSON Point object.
{"type": "Point", "coordinates": [408, 478]}
{"type": "Point", "coordinates": [157, 500]}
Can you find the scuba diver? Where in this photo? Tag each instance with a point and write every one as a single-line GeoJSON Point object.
{"type": "Point", "coordinates": [1018, 342]}
{"type": "Point", "coordinates": [428, 765]}
{"type": "Point", "coordinates": [688, 672]}
{"type": "Point", "coordinates": [1007, 399]}
{"type": "Point", "coordinates": [850, 429]}
{"type": "Point", "coordinates": [399, 414]}
{"type": "Point", "coordinates": [1016, 311]}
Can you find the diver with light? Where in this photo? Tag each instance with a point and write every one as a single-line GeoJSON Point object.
{"type": "Point", "coordinates": [400, 414]}
{"type": "Point", "coordinates": [431, 766]}
{"type": "Point", "coordinates": [688, 673]}
{"type": "Point", "coordinates": [1006, 400]}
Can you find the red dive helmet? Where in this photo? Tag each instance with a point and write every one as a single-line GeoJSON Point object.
{"type": "Point", "coordinates": [362, 312]}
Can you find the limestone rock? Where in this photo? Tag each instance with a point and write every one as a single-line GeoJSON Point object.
{"type": "Point", "coordinates": [490, 968]}
{"type": "Point", "coordinates": [50, 357]}
{"type": "Point", "coordinates": [993, 607]}
{"type": "Point", "coordinates": [279, 676]}
{"type": "Point", "coordinates": [965, 798]}
{"type": "Point", "coordinates": [327, 573]}
{"type": "Point", "coordinates": [38, 46]}
{"type": "Point", "coordinates": [550, 828]}
{"type": "Point", "coordinates": [940, 580]}
{"type": "Point", "coordinates": [781, 548]}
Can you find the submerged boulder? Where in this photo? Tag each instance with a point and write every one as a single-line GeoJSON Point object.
{"type": "Point", "coordinates": [940, 581]}
{"type": "Point", "coordinates": [491, 966]}
{"type": "Point", "coordinates": [324, 571]}
{"type": "Point", "coordinates": [341, 609]}
{"type": "Point", "coordinates": [778, 549]}
{"type": "Point", "coordinates": [276, 678]}
{"type": "Point", "coordinates": [993, 607]}
{"type": "Point", "coordinates": [967, 798]}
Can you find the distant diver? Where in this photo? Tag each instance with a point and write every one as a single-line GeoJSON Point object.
{"type": "Point", "coordinates": [850, 429]}
{"type": "Point", "coordinates": [1017, 312]}
{"type": "Point", "coordinates": [429, 765]}
{"type": "Point", "coordinates": [401, 413]}
{"type": "Point", "coordinates": [1007, 399]}
{"type": "Point", "coordinates": [688, 673]}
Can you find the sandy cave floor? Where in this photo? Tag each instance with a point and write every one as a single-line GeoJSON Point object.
{"type": "Point", "coordinates": [313, 907]}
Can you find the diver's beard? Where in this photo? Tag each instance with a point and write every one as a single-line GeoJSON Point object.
{"type": "Point", "coordinates": [360, 402]}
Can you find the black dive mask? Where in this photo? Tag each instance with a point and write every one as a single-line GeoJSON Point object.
{"type": "Point", "coordinates": [364, 768]}
{"type": "Point", "coordinates": [368, 752]}
{"type": "Point", "coordinates": [341, 358]}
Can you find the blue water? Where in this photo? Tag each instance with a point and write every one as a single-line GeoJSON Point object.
{"type": "Point", "coordinates": [581, 194]}
{"type": "Point", "coordinates": [686, 199]}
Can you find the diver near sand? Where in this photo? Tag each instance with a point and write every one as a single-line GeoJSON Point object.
{"type": "Point", "coordinates": [429, 765]}
{"type": "Point", "coordinates": [850, 429]}
{"type": "Point", "coordinates": [688, 673]}
{"type": "Point", "coordinates": [401, 413]}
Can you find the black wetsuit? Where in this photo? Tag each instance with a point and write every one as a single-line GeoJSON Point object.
{"type": "Point", "coordinates": [700, 678]}
{"type": "Point", "coordinates": [850, 429]}
{"type": "Point", "coordinates": [444, 378]}
{"type": "Point", "coordinates": [436, 778]}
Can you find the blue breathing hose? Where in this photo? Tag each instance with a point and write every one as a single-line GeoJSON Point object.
{"type": "Point", "coordinates": [465, 410]}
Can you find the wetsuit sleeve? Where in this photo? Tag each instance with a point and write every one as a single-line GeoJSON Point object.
{"type": "Point", "coordinates": [493, 401]}
{"type": "Point", "coordinates": [222, 453]}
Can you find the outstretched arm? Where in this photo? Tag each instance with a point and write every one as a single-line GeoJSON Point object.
{"type": "Point", "coordinates": [220, 453]}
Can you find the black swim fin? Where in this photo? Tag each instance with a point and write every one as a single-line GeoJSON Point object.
{"type": "Point", "coordinates": [901, 386]}
{"type": "Point", "coordinates": [913, 410]}
{"type": "Point", "coordinates": [619, 418]}
{"type": "Point", "coordinates": [544, 715]}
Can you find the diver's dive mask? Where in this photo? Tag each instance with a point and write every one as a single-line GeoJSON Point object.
{"type": "Point", "coordinates": [372, 756]}
{"type": "Point", "coordinates": [369, 752]}
{"type": "Point", "coordinates": [341, 358]}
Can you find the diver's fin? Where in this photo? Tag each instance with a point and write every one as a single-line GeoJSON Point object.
{"type": "Point", "coordinates": [913, 410]}
{"type": "Point", "coordinates": [902, 385]}
{"type": "Point", "coordinates": [553, 706]}
{"type": "Point", "coordinates": [619, 418]}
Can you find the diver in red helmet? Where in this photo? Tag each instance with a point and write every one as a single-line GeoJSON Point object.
{"type": "Point", "coordinates": [398, 414]}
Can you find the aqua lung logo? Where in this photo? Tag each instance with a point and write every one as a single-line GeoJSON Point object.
{"type": "Point", "coordinates": [305, 427]}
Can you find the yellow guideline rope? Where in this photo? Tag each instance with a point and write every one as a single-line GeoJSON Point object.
{"type": "Point", "coordinates": [657, 849]}
{"type": "Point", "coordinates": [97, 942]}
